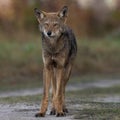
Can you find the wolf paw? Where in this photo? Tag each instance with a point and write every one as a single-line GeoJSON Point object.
{"type": "Point", "coordinates": [39, 114]}
{"type": "Point", "coordinates": [61, 114]}
{"type": "Point", "coordinates": [65, 110]}
{"type": "Point", "coordinates": [53, 112]}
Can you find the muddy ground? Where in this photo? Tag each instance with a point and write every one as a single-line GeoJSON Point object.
{"type": "Point", "coordinates": [95, 100]}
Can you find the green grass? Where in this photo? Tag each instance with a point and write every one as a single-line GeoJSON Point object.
{"type": "Point", "coordinates": [20, 62]}
{"type": "Point", "coordinates": [21, 99]}
{"type": "Point", "coordinates": [19, 83]}
{"type": "Point", "coordinates": [97, 91]}
{"type": "Point", "coordinates": [98, 114]}
{"type": "Point", "coordinates": [20, 53]}
{"type": "Point", "coordinates": [98, 56]}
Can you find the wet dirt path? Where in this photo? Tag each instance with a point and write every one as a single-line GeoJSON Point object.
{"type": "Point", "coordinates": [26, 111]}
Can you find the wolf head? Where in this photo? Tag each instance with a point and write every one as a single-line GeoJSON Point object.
{"type": "Point", "coordinates": [52, 24]}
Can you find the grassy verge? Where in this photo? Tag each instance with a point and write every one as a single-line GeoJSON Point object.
{"type": "Point", "coordinates": [98, 56]}
{"type": "Point", "coordinates": [99, 114]}
{"type": "Point", "coordinates": [21, 99]}
{"type": "Point", "coordinates": [20, 63]}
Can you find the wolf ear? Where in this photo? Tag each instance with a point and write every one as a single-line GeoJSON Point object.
{"type": "Point", "coordinates": [63, 12]}
{"type": "Point", "coordinates": [39, 14]}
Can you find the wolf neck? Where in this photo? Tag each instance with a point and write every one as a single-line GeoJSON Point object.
{"type": "Point", "coordinates": [52, 45]}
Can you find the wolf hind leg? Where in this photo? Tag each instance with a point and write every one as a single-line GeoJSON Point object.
{"type": "Point", "coordinates": [66, 78]}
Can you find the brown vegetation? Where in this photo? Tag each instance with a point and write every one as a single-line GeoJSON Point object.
{"type": "Point", "coordinates": [90, 21]}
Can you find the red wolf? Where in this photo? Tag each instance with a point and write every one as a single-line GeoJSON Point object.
{"type": "Point", "coordinates": [58, 52]}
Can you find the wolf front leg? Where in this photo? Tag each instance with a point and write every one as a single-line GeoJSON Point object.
{"type": "Point", "coordinates": [47, 75]}
{"type": "Point", "coordinates": [58, 102]}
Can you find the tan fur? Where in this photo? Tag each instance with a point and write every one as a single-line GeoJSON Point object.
{"type": "Point", "coordinates": [58, 51]}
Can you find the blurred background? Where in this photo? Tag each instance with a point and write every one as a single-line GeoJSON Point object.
{"type": "Point", "coordinates": [96, 24]}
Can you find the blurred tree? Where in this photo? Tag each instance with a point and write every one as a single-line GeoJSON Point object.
{"type": "Point", "coordinates": [94, 20]}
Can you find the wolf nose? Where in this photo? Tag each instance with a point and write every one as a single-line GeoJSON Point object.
{"type": "Point", "coordinates": [49, 33]}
